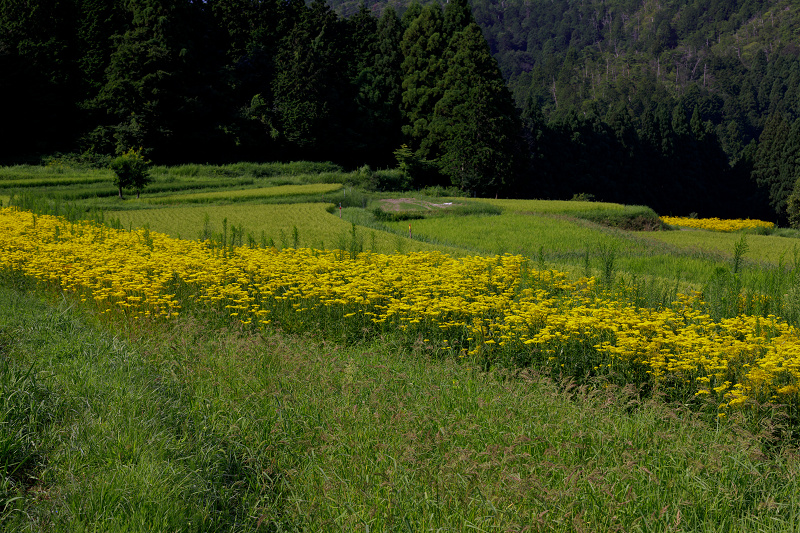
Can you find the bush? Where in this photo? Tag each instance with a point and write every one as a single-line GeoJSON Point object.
{"type": "Point", "coordinates": [421, 172]}
{"type": "Point", "coordinates": [390, 180]}
{"type": "Point", "coordinates": [631, 218]}
{"type": "Point", "coordinates": [131, 171]}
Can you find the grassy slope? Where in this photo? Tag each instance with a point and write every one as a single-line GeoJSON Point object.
{"type": "Point", "coordinates": [197, 428]}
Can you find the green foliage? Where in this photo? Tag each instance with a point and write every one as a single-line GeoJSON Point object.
{"type": "Point", "coordinates": [634, 103]}
{"type": "Point", "coordinates": [390, 180]}
{"type": "Point", "coordinates": [416, 170]}
{"type": "Point", "coordinates": [632, 218]}
{"type": "Point", "coordinates": [131, 171]}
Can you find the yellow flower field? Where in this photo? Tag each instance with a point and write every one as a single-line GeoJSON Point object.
{"type": "Point", "coordinates": [717, 224]}
{"type": "Point", "coordinates": [495, 310]}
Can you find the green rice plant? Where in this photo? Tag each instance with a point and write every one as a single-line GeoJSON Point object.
{"type": "Point", "coordinates": [628, 217]}
{"type": "Point", "coordinates": [527, 233]}
{"type": "Point", "coordinates": [391, 210]}
{"type": "Point", "coordinates": [608, 256]}
{"type": "Point", "coordinates": [767, 248]}
{"type": "Point", "coordinates": [53, 181]}
{"type": "Point", "coordinates": [739, 249]}
{"type": "Point", "coordinates": [248, 194]}
{"type": "Point", "coordinates": [23, 172]}
{"type": "Point", "coordinates": [563, 207]}
{"type": "Point", "coordinates": [316, 227]}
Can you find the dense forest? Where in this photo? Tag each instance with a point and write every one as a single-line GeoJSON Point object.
{"type": "Point", "coordinates": [686, 106]}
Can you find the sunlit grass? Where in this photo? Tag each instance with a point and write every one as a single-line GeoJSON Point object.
{"type": "Point", "coordinates": [570, 244]}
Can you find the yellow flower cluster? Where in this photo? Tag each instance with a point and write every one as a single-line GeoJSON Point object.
{"type": "Point", "coordinates": [492, 309]}
{"type": "Point", "coordinates": [717, 224]}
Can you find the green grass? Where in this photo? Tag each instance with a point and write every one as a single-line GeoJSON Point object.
{"type": "Point", "coordinates": [249, 194]}
{"type": "Point", "coordinates": [117, 443]}
{"type": "Point", "coordinates": [193, 427]}
{"type": "Point", "coordinates": [629, 217]}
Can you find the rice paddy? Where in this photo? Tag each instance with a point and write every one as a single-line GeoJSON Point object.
{"type": "Point", "coordinates": [250, 194]}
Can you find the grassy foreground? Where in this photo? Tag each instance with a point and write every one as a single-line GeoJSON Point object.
{"type": "Point", "coordinates": [189, 427]}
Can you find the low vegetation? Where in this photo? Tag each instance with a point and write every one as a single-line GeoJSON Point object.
{"type": "Point", "coordinates": [370, 360]}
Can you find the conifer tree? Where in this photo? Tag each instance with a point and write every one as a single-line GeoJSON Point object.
{"type": "Point", "coordinates": [145, 92]}
{"type": "Point", "coordinates": [475, 122]}
{"type": "Point", "coordinates": [39, 78]}
{"type": "Point", "coordinates": [379, 86]}
{"type": "Point", "coordinates": [423, 46]}
{"type": "Point", "coordinates": [309, 81]}
{"type": "Point", "coordinates": [767, 169]}
{"type": "Point", "coordinates": [411, 13]}
{"type": "Point", "coordinates": [789, 169]}
{"type": "Point", "coordinates": [457, 16]}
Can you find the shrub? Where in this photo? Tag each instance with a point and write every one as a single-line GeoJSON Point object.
{"type": "Point", "coordinates": [390, 180]}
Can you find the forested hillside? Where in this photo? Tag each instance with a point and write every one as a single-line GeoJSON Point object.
{"type": "Point", "coordinates": [685, 106]}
